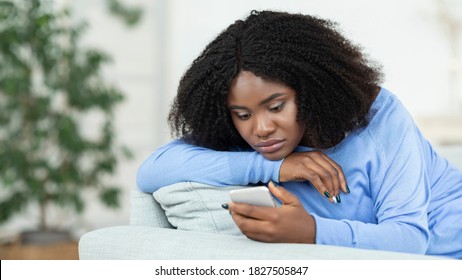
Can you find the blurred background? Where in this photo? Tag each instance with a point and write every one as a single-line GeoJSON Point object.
{"type": "Point", "coordinates": [418, 43]}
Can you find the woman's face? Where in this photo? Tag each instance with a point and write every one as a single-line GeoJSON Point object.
{"type": "Point", "coordinates": [265, 115]}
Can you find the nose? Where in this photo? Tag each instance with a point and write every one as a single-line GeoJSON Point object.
{"type": "Point", "coordinates": [263, 126]}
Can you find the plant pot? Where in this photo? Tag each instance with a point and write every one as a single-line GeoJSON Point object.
{"type": "Point", "coordinates": [45, 237]}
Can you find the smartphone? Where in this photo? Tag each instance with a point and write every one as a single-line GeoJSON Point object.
{"type": "Point", "coordinates": [258, 196]}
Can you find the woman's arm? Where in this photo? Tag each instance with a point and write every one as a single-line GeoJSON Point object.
{"type": "Point", "coordinates": [400, 190]}
{"type": "Point", "coordinates": [398, 187]}
{"type": "Point", "coordinates": [401, 196]}
{"type": "Point", "coordinates": [178, 161]}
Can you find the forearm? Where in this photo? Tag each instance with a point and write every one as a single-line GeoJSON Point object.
{"type": "Point", "coordinates": [179, 162]}
{"type": "Point", "coordinates": [389, 236]}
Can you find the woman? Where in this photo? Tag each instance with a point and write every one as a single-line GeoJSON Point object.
{"type": "Point", "coordinates": [286, 98]}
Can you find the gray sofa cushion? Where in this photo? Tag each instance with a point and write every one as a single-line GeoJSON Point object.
{"type": "Point", "coordinates": [197, 207]}
{"type": "Point", "coordinates": [148, 243]}
{"type": "Point", "coordinates": [145, 211]}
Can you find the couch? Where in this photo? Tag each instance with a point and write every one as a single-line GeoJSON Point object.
{"type": "Point", "coordinates": [151, 236]}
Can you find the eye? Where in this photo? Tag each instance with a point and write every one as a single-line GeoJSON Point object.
{"type": "Point", "coordinates": [243, 116]}
{"type": "Point", "coordinates": [276, 108]}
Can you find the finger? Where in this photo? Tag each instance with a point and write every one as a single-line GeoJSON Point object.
{"type": "Point", "coordinates": [341, 175]}
{"type": "Point", "coordinates": [250, 211]}
{"type": "Point", "coordinates": [259, 236]}
{"type": "Point", "coordinates": [319, 185]}
{"type": "Point", "coordinates": [252, 228]}
{"type": "Point", "coordinates": [329, 172]}
{"type": "Point", "coordinates": [318, 176]}
{"type": "Point", "coordinates": [282, 194]}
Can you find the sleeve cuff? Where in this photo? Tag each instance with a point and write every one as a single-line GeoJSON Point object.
{"type": "Point", "coordinates": [276, 166]}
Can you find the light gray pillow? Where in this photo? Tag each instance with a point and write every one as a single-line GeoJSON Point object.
{"type": "Point", "coordinates": [197, 207]}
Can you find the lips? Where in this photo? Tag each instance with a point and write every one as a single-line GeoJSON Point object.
{"type": "Point", "coordinates": [269, 146]}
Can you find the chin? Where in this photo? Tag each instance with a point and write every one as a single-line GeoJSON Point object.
{"type": "Point", "coordinates": [274, 157]}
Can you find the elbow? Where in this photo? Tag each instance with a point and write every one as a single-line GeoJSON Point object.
{"type": "Point", "coordinates": [418, 247]}
{"type": "Point", "coordinates": [423, 245]}
{"type": "Point", "coordinates": [144, 181]}
{"type": "Point", "coordinates": [142, 186]}
{"type": "Point", "coordinates": [418, 240]}
{"type": "Point", "coordinates": [141, 183]}
{"type": "Point", "coordinates": [424, 238]}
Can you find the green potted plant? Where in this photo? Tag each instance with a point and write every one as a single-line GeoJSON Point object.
{"type": "Point", "coordinates": [49, 84]}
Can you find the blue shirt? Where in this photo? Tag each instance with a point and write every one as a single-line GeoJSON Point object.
{"type": "Point", "coordinates": [404, 196]}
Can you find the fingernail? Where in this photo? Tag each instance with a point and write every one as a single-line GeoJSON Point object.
{"type": "Point", "coordinates": [348, 189]}
{"type": "Point", "coordinates": [327, 194]}
{"type": "Point", "coordinates": [338, 198]}
{"type": "Point", "coordinates": [225, 206]}
{"type": "Point", "coordinates": [334, 199]}
{"type": "Point", "coordinates": [274, 184]}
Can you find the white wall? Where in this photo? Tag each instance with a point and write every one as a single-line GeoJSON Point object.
{"type": "Point", "coordinates": [405, 36]}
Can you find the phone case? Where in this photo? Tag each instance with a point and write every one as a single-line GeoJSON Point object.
{"type": "Point", "coordinates": [258, 196]}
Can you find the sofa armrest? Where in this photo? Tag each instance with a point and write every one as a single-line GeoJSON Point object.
{"type": "Point", "coordinates": [142, 243]}
{"type": "Point", "coordinates": [145, 211]}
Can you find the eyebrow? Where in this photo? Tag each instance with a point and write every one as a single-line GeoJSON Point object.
{"type": "Point", "coordinates": [264, 101]}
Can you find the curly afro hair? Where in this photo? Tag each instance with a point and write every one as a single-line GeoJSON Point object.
{"type": "Point", "coordinates": [333, 80]}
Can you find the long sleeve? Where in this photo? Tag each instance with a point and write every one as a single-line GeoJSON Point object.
{"type": "Point", "coordinates": [400, 203]}
{"type": "Point", "coordinates": [399, 189]}
{"type": "Point", "coordinates": [178, 161]}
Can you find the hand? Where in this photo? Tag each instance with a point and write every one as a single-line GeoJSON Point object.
{"type": "Point", "coordinates": [289, 223]}
{"type": "Point", "coordinates": [324, 173]}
